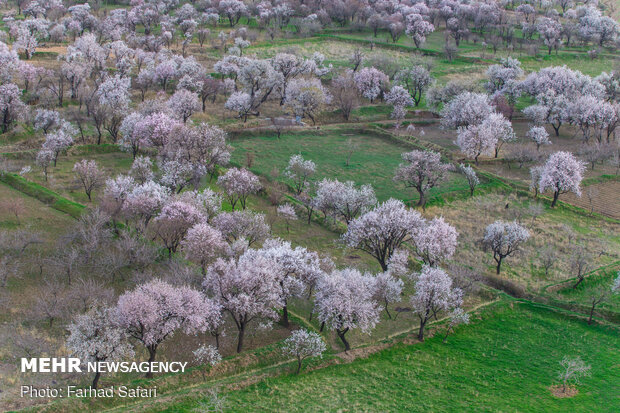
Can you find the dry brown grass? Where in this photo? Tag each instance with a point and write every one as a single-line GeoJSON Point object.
{"type": "Point", "coordinates": [559, 229]}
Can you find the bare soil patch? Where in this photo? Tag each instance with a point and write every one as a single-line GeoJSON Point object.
{"type": "Point", "coordinates": [556, 390]}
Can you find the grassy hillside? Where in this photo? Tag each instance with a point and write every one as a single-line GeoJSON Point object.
{"type": "Point", "coordinates": [504, 361]}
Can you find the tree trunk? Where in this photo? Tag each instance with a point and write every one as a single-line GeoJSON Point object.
{"type": "Point", "coordinates": [341, 334]}
{"type": "Point", "coordinates": [152, 352]}
{"type": "Point", "coordinates": [421, 330]}
{"type": "Point", "coordinates": [579, 280]}
{"type": "Point", "coordinates": [383, 264]}
{"type": "Point", "coordinates": [387, 311]}
{"type": "Point", "coordinates": [499, 266]}
{"type": "Point", "coordinates": [556, 195]}
{"type": "Point", "coordinates": [284, 320]}
{"type": "Point", "coordinates": [422, 200]}
{"type": "Point", "coordinates": [298, 365]}
{"type": "Point", "coordinates": [96, 380]}
{"type": "Point", "coordinates": [240, 339]}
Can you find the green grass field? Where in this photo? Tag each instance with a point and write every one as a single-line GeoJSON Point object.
{"type": "Point", "coordinates": [373, 163]}
{"type": "Point", "coordinates": [591, 287]}
{"type": "Point", "coordinates": [504, 361]}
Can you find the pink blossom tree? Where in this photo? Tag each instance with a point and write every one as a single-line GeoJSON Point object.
{"type": "Point", "coordinates": [387, 289]}
{"type": "Point", "coordinates": [115, 194]}
{"type": "Point", "coordinates": [418, 28]}
{"type": "Point", "coordinates": [233, 10]}
{"type": "Point", "coordinates": [588, 113]}
{"type": "Point", "coordinates": [242, 225]}
{"type": "Point", "coordinates": [153, 312]}
{"type": "Point", "coordinates": [299, 270]}
{"type": "Point", "coordinates": [382, 231]}
{"type": "Point", "coordinates": [11, 106]}
{"type": "Point", "coordinates": [59, 140]}
{"type": "Point", "coordinates": [173, 222]}
{"type": "Point", "coordinates": [561, 173]}
{"type": "Point", "coordinates": [434, 292]}
{"type": "Point", "coordinates": [466, 109]}
{"type": "Point", "coordinates": [306, 97]}
{"type": "Point", "coordinates": [550, 32]}
{"type": "Point", "coordinates": [203, 146]}
{"type": "Point", "coordinates": [344, 301]}
{"type": "Point", "coordinates": [370, 82]}
{"type": "Point", "coordinates": [399, 97]}
{"type": "Point", "coordinates": [535, 173]}
{"type": "Point", "coordinates": [247, 288]}
{"type": "Point", "coordinates": [142, 169]}
{"type": "Point", "coordinates": [287, 212]}
{"type": "Point", "coordinates": [344, 92]}
{"type": "Point", "coordinates": [416, 80]}
{"type": "Point", "coordinates": [485, 138]}
{"type": "Point", "coordinates": [238, 184]}
{"type": "Point", "coordinates": [44, 160]}
{"type": "Point", "coordinates": [114, 99]}
{"type": "Point", "coordinates": [145, 200]}
{"type": "Point", "coordinates": [154, 130]}
{"type": "Point", "coordinates": [503, 239]}
{"type": "Point", "coordinates": [45, 119]}
{"type": "Point", "coordinates": [422, 170]}
{"type": "Point", "coordinates": [242, 103]}
{"type": "Point", "coordinates": [539, 136]}
{"type": "Point", "coordinates": [552, 108]}
{"type": "Point", "coordinates": [472, 179]}
{"type": "Point", "coordinates": [87, 172]}
{"type": "Point", "coordinates": [202, 244]}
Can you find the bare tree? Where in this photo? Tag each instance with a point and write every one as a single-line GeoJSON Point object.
{"type": "Point", "coordinates": [573, 369]}
{"type": "Point", "coordinates": [356, 59]}
{"type": "Point", "coordinates": [579, 261]}
{"type": "Point", "coordinates": [591, 194]}
{"type": "Point", "coordinates": [344, 92]}
{"type": "Point", "coordinates": [548, 257]}
{"type": "Point", "coordinates": [86, 292]}
{"type": "Point", "coordinates": [601, 293]}
{"type": "Point", "coordinates": [14, 206]}
{"type": "Point", "coordinates": [51, 302]}
{"type": "Point", "coordinates": [351, 147]}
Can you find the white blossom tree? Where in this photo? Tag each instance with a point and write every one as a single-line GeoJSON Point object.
{"type": "Point", "coordinates": [381, 231]}
{"type": "Point", "coordinates": [504, 239]}
{"type": "Point", "coordinates": [472, 179]}
{"type": "Point", "coordinates": [238, 184]}
{"type": "Point", "coordinates": [561, 173]}
{"type": "Point", "coordinates": [247, 288]}
{"type": "Point", "coordinates": [422, 170]}
{"type": "Point", "coordinates": [303, 344]}
{"type": "Point", "coordinates": [299, 171]}
{"type": "Point", "coordinates": [344, 301]}
{"type": "Point", "coordinates": [434, 292]}
{"type": "Point", "coordinates": [343, 199]}
{"type": "Point", "coordinates": [94, 337]}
